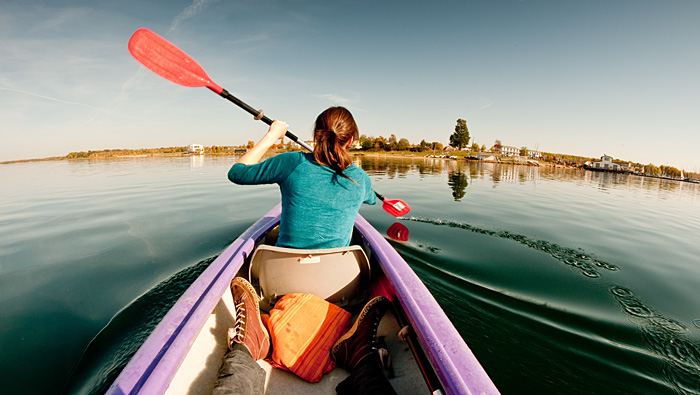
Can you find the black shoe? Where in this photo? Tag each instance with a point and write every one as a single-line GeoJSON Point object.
{"type": "Point", "coordinates": [361, 340]}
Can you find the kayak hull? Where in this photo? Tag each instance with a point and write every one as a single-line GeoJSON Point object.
{"type": "Point", "coordinates": [154, 365]}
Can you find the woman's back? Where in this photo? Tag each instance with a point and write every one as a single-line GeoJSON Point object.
{"type": "Point", "coordinates": [318, 205]}
{"type": "Point", "coordinates": [321, 192]}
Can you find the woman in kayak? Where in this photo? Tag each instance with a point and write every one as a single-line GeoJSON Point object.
{"type": "Point", "coordinates": [321, 191]}
{"type": "Point", "coordinates": [321, 195]}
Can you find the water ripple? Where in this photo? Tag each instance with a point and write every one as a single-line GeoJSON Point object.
{"type": "Point", "coordinates": [113, 347]}
{"type": "Point", "coordinates": [577, 259]}
{"type": "Point", "coordinates": [667, 339]}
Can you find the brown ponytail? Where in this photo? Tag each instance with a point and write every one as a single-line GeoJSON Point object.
{"type": "Point", "coordinates": [334, 129]}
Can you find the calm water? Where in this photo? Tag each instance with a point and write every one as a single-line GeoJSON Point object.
{"type": "Point", "coordinates": [561, 281]}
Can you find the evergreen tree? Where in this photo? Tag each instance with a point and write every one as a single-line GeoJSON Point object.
{"type": "Point", "coordinates": [460, 138]}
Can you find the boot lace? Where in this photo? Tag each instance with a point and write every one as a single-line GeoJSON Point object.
{"type": "Point", "coordinates": [239, 327]}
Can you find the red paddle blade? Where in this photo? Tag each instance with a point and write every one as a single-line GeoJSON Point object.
{"type": "Point", "coordinates": [398, 232]}
{"type": "Point", "coordinates": [397, 208]}
{"type": "Point", "coordinates": [168, 61]}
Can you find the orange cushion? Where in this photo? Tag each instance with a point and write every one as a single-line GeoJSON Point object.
{"type": "Point", "coordinates": [303, 328]}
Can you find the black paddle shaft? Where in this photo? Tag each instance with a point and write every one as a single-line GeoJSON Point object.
{"type": "Point", "coordinates": [258, 115]}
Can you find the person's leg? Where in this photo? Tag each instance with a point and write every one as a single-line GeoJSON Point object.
{"type": "Point", "coordinates": [249, 329]}
{"type": "Point", "coordinates": [356, 351]}
{"type": "Point", "coordinates": [239, 374]}
{"type": "Point", "coordinates": [367, 378]}
{"type": "Point", "coordinates": [248, 342]}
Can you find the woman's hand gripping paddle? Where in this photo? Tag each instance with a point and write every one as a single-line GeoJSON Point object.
{"type": "Point", "coordinates": [171, 63]}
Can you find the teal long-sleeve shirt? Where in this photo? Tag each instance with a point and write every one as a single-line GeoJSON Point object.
{"type": "Point", "coordinates": [319, 206]}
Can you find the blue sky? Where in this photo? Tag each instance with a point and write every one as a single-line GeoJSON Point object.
{"type": "Point", "coordinates": [580, 77]}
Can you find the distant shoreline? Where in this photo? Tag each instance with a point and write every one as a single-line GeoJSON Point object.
{"type": "Point", "coordinates": [274, 152]}
{"type": "Point", "coordinates": [169, 152]}
{"type": "Point", "coordinates": [62, 158]}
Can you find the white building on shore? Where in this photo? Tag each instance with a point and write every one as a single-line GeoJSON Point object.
{"type": "Point", "coordinates": [195, 149]}
{"type": "Point", "coordinates": [606, 163]}
{"type": "Point", "coordinates": [506, 150]}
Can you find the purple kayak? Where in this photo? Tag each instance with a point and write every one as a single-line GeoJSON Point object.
{"type": "Point", "coordinates": [185, 350]}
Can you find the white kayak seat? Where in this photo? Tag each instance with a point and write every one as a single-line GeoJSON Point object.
{"type": "Point", "coordinates": [338, 275]}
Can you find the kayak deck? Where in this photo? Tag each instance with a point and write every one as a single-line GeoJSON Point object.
{"type": "Point", "coordinates": [198, 372]}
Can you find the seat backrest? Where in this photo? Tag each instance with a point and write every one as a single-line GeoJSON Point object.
{"type": "Point", "coordinates": [339, 275]}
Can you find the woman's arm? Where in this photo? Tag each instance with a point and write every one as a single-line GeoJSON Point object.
{"type": "Point", "coordinates": [276, 132]}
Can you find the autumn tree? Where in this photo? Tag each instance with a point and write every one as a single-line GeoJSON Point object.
{"type": "Point", "coordinates": [379, 143]}
{"type": "Point", "coordinates": [366, 142]}
{"type": "Point", "coordinates": [652, 170]}
{"type": "Point", "coordinates": [424, 145]}
{"type": "Point", "coordinates": [497, 146]}
{"type": "Point", "coordinates": [670, 171]}
{"type": "Point", "coordinates": [391, 143]}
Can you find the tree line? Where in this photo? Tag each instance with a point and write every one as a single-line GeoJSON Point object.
{"type": "Point", "coordinates": [392, 143]}
{"type": "Point", "coordinates": [459, 139]}
{"type": "Point", "coordinates": [111, 153]}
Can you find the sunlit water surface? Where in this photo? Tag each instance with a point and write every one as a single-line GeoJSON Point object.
{"type": "Point", "coordinates": [561, 281]}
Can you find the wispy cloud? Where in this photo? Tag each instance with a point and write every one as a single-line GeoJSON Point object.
{"type": "Point", "coordinates": [194, 9]}
{"type": "Point", "coordinates": [486, 103]}
{"type": "Point", "coordinates": [338, 100]}
{"type": "Point", "coordinates": [248, 39]}
{"type": "Point", "coordinates": [335, 99]}
{"type": "Point", "coordinates": [55, 99]}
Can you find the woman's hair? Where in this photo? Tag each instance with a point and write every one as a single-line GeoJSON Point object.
{"type": "Point", "coordinates": [334, 129]}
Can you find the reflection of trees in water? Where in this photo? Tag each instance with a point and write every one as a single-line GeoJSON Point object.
{"type": "Point", "coordinates": [381, 165]}
{"type": "Point", "coordinates": [650, 185]}
{"type": "Point", "coordinates": [458, 181]}
{"type": "Point", "coordinates": [513, 173]}
{"type": "Point", "coordinates": [400, 167]}
{"type": "Point", "coordinates": [462, 172]}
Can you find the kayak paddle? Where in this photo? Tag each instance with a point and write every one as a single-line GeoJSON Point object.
{"type": "Point", "coordinates": [171, 63]}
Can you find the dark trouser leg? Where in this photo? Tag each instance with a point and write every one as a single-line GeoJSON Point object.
{"type": "Point", "coordinates": [240, 374]}
{"type": "Point", "coordinates": [367, 378]}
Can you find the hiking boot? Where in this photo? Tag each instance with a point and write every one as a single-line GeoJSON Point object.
{"type": "Point", "coordinates": [249, 329]}
{"type": "Point", "coordinates": [361, 340]}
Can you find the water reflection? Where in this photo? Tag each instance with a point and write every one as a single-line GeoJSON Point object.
{"type": "Point", "coordinates": [607, 181]}
{"type": "Point", "coordinates": [400, 167]}
{"type": "Point", "coordinates": [397, 232]}
{"type": "Point", "coordinates": [196, 161]}
{"type": "Point", "coordinates": [458, 181]}
{"type": "Point", "coordinates": [461, 173]}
